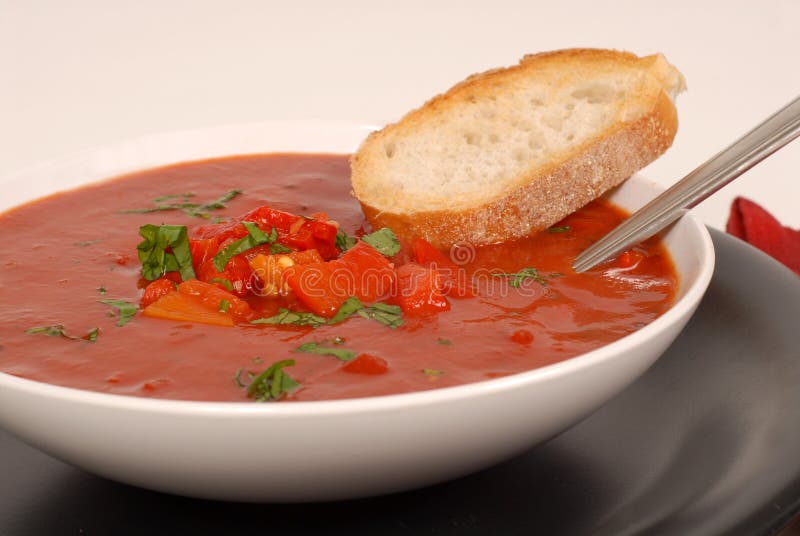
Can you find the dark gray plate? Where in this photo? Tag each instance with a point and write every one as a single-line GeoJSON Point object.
{"type": "Point", "coordinates": [706, 442]}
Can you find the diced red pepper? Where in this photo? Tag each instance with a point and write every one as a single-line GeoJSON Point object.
{"type": "Point", "coordinates": [155, 290]}
{"type": "Point", "coordinates": [361, 272]}
{"type": "Point", "coordinates": [212, 297]}
{"type": "Point", "coordinates": [454, 279]}
{"type": "Point", "coordinates": [367, 364]}
{"type": "Point", "coordinates": [522, 336]}
{"type": "Point", "coordinates": [420, 290]}
{"type": "Point", "coordinates": [195, 301]}
{"type": "Point", "coordinates": [203, 249]}
{"type": "Point", "coordinates": [237, 272]}
{"type": "Point", "coordinates": [374, 274]}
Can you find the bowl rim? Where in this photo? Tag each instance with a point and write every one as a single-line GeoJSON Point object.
{"type": "Point", "coordinates": [373, 404]}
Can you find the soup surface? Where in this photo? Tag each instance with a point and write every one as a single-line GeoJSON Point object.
{"type": "Point", "coordinates": [63, 255]}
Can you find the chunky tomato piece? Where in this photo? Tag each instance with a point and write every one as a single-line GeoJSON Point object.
{"type": "Point", "coordinates": [373, 274]}
{"type": "Point", "coordinates": [313, 286]}
{"type": "Point", "coordinates": [454, 278]}
{"type": "Point", "coordinates": [522, 336]}
{"type": "Point", "coordinates": [361, 272]}
{"type": "Point", "coordinates": [420, 290]}
{"type": "Point", "coordinates": [237, 273]}
{"type": "Point", "coordinates": [367, 364]}
{"type": "Point", "coordinates": [216, 299]}
{"type": "Point", "coordinates": [155, 290]}
{"type": "Point", "coordinates": [203, 249]}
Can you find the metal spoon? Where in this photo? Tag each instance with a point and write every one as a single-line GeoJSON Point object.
{"type": "Point", "coordinates": [769, 136]}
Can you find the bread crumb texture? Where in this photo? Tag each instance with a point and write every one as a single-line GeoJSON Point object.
{"type": "Point", "coordinates": [511, 151]}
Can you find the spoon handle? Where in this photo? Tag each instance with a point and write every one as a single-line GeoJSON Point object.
{"type": "Point", "coordinates": [769, 136]}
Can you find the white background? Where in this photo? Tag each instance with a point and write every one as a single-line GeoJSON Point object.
{"type": "Point", "coordinates": [76, 74]}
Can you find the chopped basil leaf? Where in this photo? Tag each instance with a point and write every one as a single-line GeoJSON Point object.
{"type": "Point", "coordinates": [559, 229]}
{"type": "Point", "coordinates": [198, 210]}
{"type": "Point", "coordinates": [255, 237]}
{"type": "Point", "coordinates": [432, 372]}
{"type": "Point", "coordinates": [153, 254]}
{"type": "Point", "coordinates": [237, 378]}
{"type": "Point", "coordinates": [346, 310]}
{"type": "Point", "coordinates": [273, 383]}
{"type": "Point", "coordinates": [315, 348]}
{"type": "Point", "coordinates": [58, 331]}
{"type": "Point", "coordinates": [344, 241]}
{"type": "Point", "coordinates": [222, 281]}
{"type": "Point", "coordinates": [224, 305]}
{"type": "Point", "coordinates": [101, 290]}
{"type": "Point", "coordinates": [384, 240]}
{"type": "Point", "coordinates": [444, 342]}
{"type": "Point", "coordinates": [286, 316]}
{"type": "Point", "coordinates": [173, 196]}
{"type": "Point", "coordinates": [279, 248]}
{"type": "Point", "coordinates": [517, 279]}
{"type": "Point", "coordinates": [257, 360]}
{"type": "Point", "coordinates": [126, 310]}
{"type": "Point", "coordinates": [92, 335]}
{"type": "Point", "coordinates": [388, 315]}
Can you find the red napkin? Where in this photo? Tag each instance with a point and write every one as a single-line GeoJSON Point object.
{"type": "Point", "coordinates": [750, 222]}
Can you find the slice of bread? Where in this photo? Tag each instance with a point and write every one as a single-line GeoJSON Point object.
{"type": "Point", "coordinates": [511, 151]}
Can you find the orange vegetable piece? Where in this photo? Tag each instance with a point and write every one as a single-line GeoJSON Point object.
{"type": "Point", "coordinates": [420, 290]}
{"type": "Point", "coordinates": [196, 301]}
{"type": "Point", "coordinates": [367, 364]}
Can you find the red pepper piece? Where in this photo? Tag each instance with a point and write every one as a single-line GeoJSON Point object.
{"type": "Point", "coordinates": [155, 290]}
{"type": "Point", "coordinates": [202, 250]}
{"type": "Point", "coordinates": [367, 364]}
{"type": "Point", "coordinates": [454, 278]}
{"type": "Point", "coordinates": [238, 272]}
{"type": "Point", "coordinates": [420, 290]}
{"type": "Point", "coordinates": [361, 272]}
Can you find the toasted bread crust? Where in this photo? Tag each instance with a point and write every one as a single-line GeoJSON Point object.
{"type": "Point", "coordinates": [542, 196]}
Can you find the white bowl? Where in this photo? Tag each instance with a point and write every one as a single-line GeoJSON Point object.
{"type": "Point", "coordinates": [312, 451]}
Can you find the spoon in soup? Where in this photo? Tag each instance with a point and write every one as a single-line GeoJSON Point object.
{"type": "Point", "coordinates": [766, 138]}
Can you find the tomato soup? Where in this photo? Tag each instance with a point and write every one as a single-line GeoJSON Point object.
{"type": "Point", "coordinates": [74, 310]}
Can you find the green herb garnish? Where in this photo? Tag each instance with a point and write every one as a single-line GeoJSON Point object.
{"type": "Point", "coordinates": [163, 198]}
{"type": "Point", "coordinates": [102, 291]}
{"type": "Point", "coordinates": [255, 237]}
{"type": "Point", "coordinates": [198, 210]}
{"type": "Point", "coordinates": [273, 383]}
{"type": "Point", "coordinates": [222, 281]}
{"type": "Point", "coordinates": [517, 279]}
{"type": "Point", "coordinates": [384, 240]}
{"type": "Point", "coordinates": [432, 372]}
{"type": "Point", "coordinates": [153, 254]}
{"type": "Point", "coordinates": [444, 342]}
{"type": "Point", "coordinates": [58, 330]}
{"type": "Point", "coordinates": [279, 248]}
{"type": "Point", "coordinates": [286, 316]}
{"type": "Point", "coordinates": [126, 310]}
{"type": "Point", "coordinates": [224, 305]}
{"type": "Point", "coordinates": [563, 229]}
{"type": "Point", "coordinates": [344, 241]}
{"type": "Point", "coordinates": [350, 306]}
{"type": "Point", "coordinates": [237, 378]}
{"type": "Point", "coordinates": [388, 315]}
{"type": "Point", "coordinates": [315, 348]}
